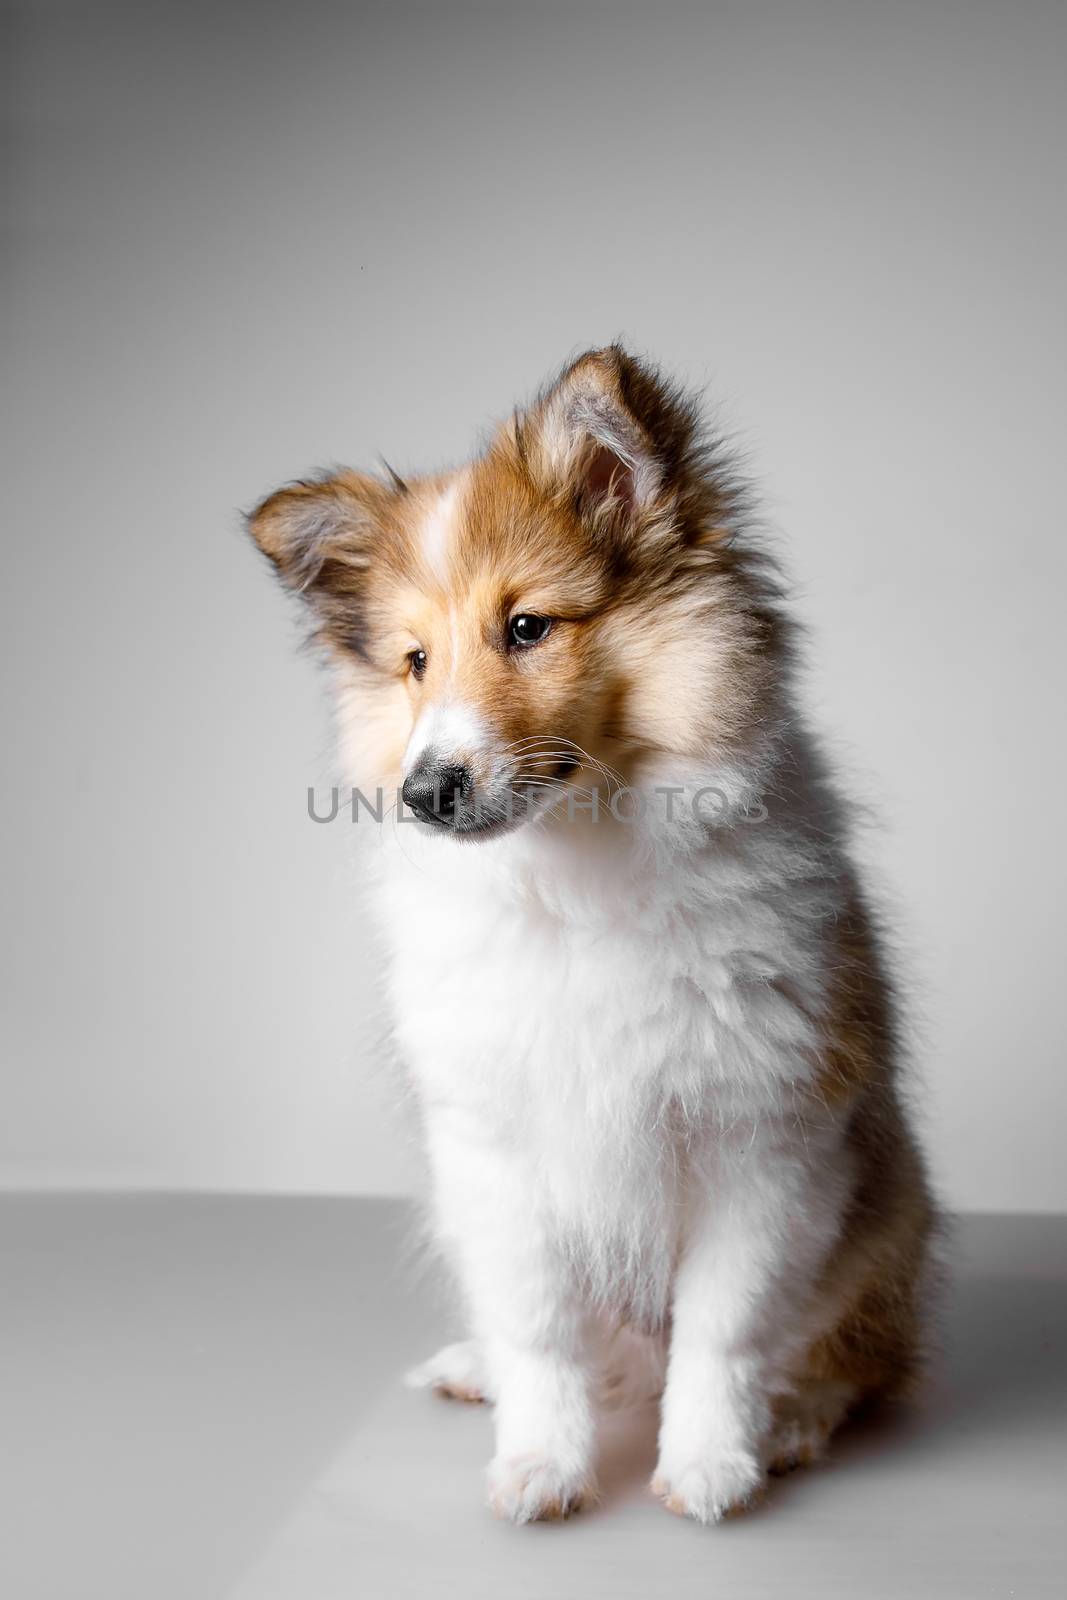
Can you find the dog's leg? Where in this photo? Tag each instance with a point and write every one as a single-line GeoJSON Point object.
{"type": "Point", "coordinates": [528, 1324]}
{"type": "Point", "coordinates": [457, 1372]}
{"type": "Point", "coordinates": [757, 1233]}
{"type": "Point", "coordinates": [803, 1422]}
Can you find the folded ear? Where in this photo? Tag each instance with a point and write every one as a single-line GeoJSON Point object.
{"type": "Point", "coordinates": [609, 432]}
{"type": "Point", "coordinates": [321, 536]}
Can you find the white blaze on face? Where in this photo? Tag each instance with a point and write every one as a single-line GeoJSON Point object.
{"type": "Point", "coordinates": [451, 732]}
{"type": "Point", "coordinates": [438, 528]}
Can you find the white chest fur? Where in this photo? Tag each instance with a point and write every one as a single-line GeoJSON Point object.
{"type": "Point", "coordinates": [602, 1022]}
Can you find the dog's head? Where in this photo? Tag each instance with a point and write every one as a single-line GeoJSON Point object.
{"type": "Point", "coordinates": [567, 604]}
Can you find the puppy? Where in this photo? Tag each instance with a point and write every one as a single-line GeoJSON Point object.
{"type": "Point", "coordinates": [633, 976]}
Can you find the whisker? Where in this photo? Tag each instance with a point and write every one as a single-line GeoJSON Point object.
{"type": "Point", "coordinates": [543, 746]}
{"type": "Point", "coordinates": [527, 745]}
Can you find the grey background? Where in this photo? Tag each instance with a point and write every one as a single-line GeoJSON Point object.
{"type": "Point", "coordinates": [243, 241]}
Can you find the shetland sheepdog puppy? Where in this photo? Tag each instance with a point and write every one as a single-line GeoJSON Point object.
{"type": "Point", "coordinates": [632, 974]}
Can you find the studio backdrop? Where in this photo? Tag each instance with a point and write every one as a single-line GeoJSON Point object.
{"type": "Point", "coordinates": [246, 241]}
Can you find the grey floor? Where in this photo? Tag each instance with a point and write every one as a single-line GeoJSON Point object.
{"type": "Point", "coordinates": [200, 1400]}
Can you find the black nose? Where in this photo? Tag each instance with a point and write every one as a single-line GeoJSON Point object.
{"type": "Point", "coordinates": [433, 791]}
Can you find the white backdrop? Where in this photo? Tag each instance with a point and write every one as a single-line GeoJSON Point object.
{"type": "Point", "coordinates": [247, 241]}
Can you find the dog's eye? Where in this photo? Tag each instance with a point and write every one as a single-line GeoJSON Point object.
{"type": "Point", "coordinates": [525, 630]}
{"type": "Point", "coordinates": [417, 659]}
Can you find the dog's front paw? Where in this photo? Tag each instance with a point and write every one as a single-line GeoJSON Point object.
{"type": "Point", "coordinates": [536, 1489]}
{"type": "Point", "coordinates": [455, 1372]}
{"type": "Point", "coordinates": [711, 1487]}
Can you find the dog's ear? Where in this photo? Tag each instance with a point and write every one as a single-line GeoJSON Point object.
{"type": "Point", "coordinates": [609, 432]}
{"type": "Point", "coordinates": [321, 535]}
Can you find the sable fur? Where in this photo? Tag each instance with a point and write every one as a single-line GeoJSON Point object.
{"type": "Point", "coordinates": [657, 1059]}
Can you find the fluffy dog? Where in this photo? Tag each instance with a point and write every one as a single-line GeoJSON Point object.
{"type": "Point", "coordinates": [632, 973]}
